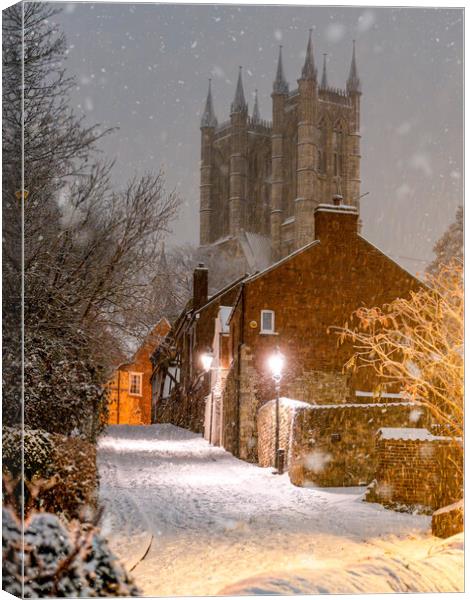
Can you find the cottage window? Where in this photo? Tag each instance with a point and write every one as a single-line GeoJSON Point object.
{"type": "Point", "coordinates": [135, 384]}
{"type": "Point", "coordinates": [267, 321]}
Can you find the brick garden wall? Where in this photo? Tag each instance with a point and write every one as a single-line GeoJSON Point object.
{"type": "Point", "coordinates": [417, 472]}
{"type": "Point", "coordinates": [267, 430]}
{"type": "Point", "coordinates": [336, 445]}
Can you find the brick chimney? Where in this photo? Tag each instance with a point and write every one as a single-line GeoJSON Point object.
{"type": "Point", "coordinates": [200, 286]}
{"type": "Point", "coordinates": [338, 222]}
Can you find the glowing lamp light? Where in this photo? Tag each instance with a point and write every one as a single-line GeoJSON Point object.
{"type": "Point", "coordinates": [276, 365]}
{"type": "Point", "coordinates": [206, 360]}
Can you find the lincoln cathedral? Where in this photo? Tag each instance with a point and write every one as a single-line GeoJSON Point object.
{"type": "Point", "coordinates": [262, 180]}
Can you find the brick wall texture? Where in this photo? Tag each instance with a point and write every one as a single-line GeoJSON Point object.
{"type": "Point", "coordinates": [311, 293]}
{"type": "Point", "coordinates": [417, 472]}
{"type": "Point", "coordinates": [334, 446]}
{"type": "Point", "coordinates": [267, 430]}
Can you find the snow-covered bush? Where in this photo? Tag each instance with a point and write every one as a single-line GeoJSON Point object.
{"type": "Point", "coordinates": [60, 472]}
{"type": "Point", "coordinates": [38, 464]}
{"type": "Point", "coordinates": [75, 489]}
{"type": "Point", "coordinates": [63, 387]}
{"type": "Point", "coordinates": [416, 343]}
{"type": "Point", "coordinates": [38, 450]}
{"type": "Point", "coordinates": [59, 562]}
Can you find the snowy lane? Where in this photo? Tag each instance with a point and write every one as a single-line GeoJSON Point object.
{"type": "Point", "coordinates": [213, 520]}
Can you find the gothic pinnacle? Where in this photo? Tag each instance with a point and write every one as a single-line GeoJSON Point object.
{"type": "Point", "coordinates": [308, 70]}
{"type": "Point", "coordinates": [256, 116]}
{"type": "Point", "coordinates": [239, 103]}
{"type": "Point", "coordinates": [354, 83]}
{"type": "Point", "coordinates": [324, 79]}
{"type": "Point", "coordinates": [208, 118]}
{"type": "Point", "coordinates": [280, 85]}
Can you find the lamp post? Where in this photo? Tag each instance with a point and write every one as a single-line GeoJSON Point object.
{"type": "Point", "coordinates": [276, 364]}
{"type": "Point", "coordinates": [207, 358]}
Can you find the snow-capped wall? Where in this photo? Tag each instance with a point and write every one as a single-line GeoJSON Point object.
{"type": "Point", "coordinates": [416, 468]}
{"type": "Point", "coordinates": [334, 445]}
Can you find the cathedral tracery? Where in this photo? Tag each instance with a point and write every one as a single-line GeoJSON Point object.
{"type": "Point", "coordinates": [267, 178]}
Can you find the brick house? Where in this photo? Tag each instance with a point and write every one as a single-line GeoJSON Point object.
{"type": "Point", "coordinates": [293, 305]}
{"type": "Point", "coordinates": [130, 392]}
{"type": "Point", "coordinates": [179, 383]}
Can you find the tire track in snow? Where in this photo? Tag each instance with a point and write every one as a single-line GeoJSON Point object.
{"type": "Point", "coordinates": [216, 519]}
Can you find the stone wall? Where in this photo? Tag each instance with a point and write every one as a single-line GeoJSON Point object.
{"type": "Point", "coordinates": [267, 430]}
{"type": "Point", "coordinates": [230, 411]}
{"type": "Point", "coordinates": [423, 471]}
{"type": "Point", "coordinates": [240, 405]}
{"type": "Point", "coordinates": [249, 405]}
{"type": "Point", "coordinates": [319, 387]}
{"type": "Point", "coordinates": [182, 410]}
{"type": "Point", "coordinates": [335, 445]}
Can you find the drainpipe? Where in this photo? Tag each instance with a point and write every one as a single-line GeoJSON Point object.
{"type": "Point", "coordinates": [212, 411]}
{"type": "Point", "coordinates": [119, 395]}
{"type": "Point", "coordinates": [242, 331]}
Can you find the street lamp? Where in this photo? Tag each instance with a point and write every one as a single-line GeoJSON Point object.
{"type": "Point", "coordinates": [276, 365]}
{"type": "Point", "coordinates": [206, 360]}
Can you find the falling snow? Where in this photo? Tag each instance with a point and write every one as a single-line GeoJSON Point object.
{"type": "Point", "coordinates": [412, 83]}
{"type": "Point", "coordinates": [209, 520]}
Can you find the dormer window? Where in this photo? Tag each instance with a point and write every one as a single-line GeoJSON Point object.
{"type": "Point", "coordinates": [267, 321]}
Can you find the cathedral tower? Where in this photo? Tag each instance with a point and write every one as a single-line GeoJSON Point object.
{"type": "Point", "coordinates": [261, 181]}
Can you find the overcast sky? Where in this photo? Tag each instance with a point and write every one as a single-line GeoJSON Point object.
{"type": "Point", "coordinates": [144, 67]}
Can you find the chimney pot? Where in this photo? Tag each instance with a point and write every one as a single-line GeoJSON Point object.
{"type": "Point", "coordinates": [337, 199]}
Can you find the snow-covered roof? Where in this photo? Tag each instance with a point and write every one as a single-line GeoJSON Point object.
{"type": "Point", "coordinates": [392, 260]}
{"type": "Point", "coordinates": [337, 208]}
{"type": "Point", "coordinates": [455, 506]}
{"type": "Point", "coordinates": [361, 405]}
{"type": "Point", "coordinates": [283, 260]}
{"type": "Point", "coordinates": [290, 402]}
{"type": "Point", "coordinates": [257, 250]}
{"type": "Point", "coordinates": [409, 433]}
{"type": "Point", "coordinates": [361, 394]}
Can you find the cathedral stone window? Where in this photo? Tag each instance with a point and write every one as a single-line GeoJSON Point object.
{"type": "Point", "coordinates": [321, 145]}
{"type": "Point", "coordinates": [338, 149]}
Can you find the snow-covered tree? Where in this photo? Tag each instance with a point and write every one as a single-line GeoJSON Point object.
{"type": "Point", "coordinates": [89, 252]}
{"type": "Point", "coordinates": [450, 245]}
{"type": "Point", "coordinates": [417, 344]}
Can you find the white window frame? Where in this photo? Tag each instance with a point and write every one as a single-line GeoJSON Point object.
{"type": "Point", "coordinates": [140, 377]}
{"type": "Point", "coordinates": [273, 322]}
